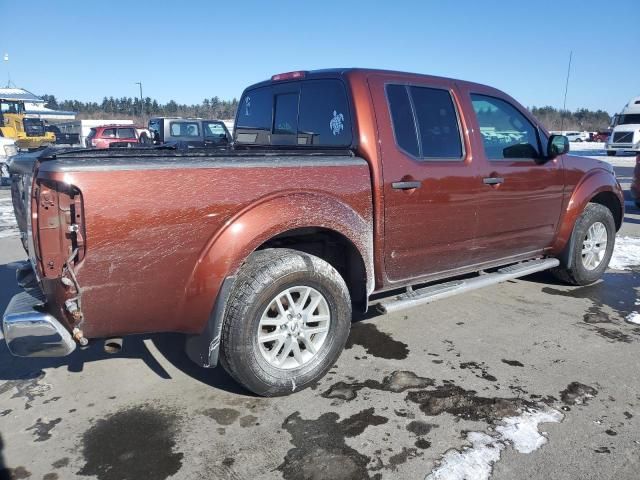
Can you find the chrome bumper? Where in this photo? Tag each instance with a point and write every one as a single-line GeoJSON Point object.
{"type": "Point", "coordinates": [29, 330]}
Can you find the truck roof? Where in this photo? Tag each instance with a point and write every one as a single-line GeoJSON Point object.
{"type": "Point", "coordinates": [633, 106]}
{"type": "Point", "coordinates": [341, 72]}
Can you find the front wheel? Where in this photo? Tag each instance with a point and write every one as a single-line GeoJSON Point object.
{"type": "Point", "coordinates": [287, 321]}
{"type": "Point", "coordinates": [593, 240]}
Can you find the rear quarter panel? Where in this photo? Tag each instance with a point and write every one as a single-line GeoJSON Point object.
{"type": "Point", "coordinates": [160, 240]}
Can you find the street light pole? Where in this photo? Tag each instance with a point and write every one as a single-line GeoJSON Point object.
{"type": "Point", "coordinates": [141, 102]}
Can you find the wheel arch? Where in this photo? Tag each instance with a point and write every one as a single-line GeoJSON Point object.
{"type": "Point", "coordinates": [296, 220]}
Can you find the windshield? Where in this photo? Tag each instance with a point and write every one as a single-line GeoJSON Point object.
{"type": "Point", "coordinates": [628, 119]}
{"type": "Point", "coordinates": [33, 127]}
{"type": "Point", "coordinates": [11, 107]}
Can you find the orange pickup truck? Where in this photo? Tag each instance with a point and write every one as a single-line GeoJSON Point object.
{"type": "Point", "coordinates": [339, 184]}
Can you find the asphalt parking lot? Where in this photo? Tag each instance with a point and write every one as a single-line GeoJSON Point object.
{"type": "Point", "coordinates": [429, 391]}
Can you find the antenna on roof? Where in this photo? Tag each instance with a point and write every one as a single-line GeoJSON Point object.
{"type": "Point", "coordinates": [6, 59]}
{"type": "Point", "coordinates": [566, 88]}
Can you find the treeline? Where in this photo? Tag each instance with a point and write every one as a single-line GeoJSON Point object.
{"type": "Point", "coordinates": [581, 120]}
{"type": "Point", "coordinates": [128, 107]}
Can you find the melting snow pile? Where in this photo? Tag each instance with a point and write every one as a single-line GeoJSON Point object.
{"type": "Point", "coordinates": [633, 317]}
{"type": "Point", "coordinates": [626, 253]}
{"type": "Point", "coordinates": [476, 462]}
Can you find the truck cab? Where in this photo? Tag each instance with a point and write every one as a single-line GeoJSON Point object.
{"type": "Point", "coordinates": [190, 132]}
{"type": "Point", "coordinates": [28, 133]}
{"type": "Point", "coordinates": [625, 136]}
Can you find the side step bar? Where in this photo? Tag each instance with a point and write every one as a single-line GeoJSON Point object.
{"type": "Point", "coordinates": [413, 298]}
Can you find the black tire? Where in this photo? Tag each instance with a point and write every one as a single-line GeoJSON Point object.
{"type": "Point", "coordinates": [578, 274]}
{"type": "Point", "coordinates": [265, 274]}
{"type": "Point", "coordinates": [611, 153]}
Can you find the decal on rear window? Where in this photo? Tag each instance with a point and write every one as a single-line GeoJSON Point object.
{"type": "Point", "coordinates": [247, 106]}
{"type": "Point", "coordinates": [337, 123]}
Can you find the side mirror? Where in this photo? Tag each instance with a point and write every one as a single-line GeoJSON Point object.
{"type": "Point", "coordinates": [558, 145]}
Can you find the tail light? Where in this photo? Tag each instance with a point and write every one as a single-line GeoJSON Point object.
{"type": "Point", "coordinates": [58, 226]}
{"type": "Point", "coordinates": [289, 76]}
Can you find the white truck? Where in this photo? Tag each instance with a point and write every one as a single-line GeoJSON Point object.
{"type": "Point", "coordinates": [625, 136]}
{"type": "Point", "coordinates": [7, 150]}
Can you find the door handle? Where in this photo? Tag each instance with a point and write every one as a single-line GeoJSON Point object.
{"type": "Point", "coordinates": [406, 185]}
{"type": "Point", "coordinates": [493, 180]}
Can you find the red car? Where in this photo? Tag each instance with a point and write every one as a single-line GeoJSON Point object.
{"type": "Point", "coordinates": [104, 137]}
{"type": "Point", "coordinates": [601, 136]}
{"type": "Point", "coordinates": [635, 183]}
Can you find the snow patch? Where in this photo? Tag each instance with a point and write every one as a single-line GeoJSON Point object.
{"type": "Point", "coordinates": [522, 431]}
{"type": "Point", "coordinates": [626, 253]}
{"type": "Point", "coordinates": [476, 461]}
{"type": "Point", "coordinates": [633, 317]}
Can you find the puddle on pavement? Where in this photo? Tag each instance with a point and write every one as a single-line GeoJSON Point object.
{"type": "Point", "coordinates": [398, 381]}
{"type": "Point", "coordinates": [132, 444]}
{"type": "Point", "coordinates": [480, 370]}
{"type": "Point", "coordinates": [577, 394]}
{"type": "Point", "coordinates": [223, 416]}
{"type": "Point", "coordinates": [29, 386]}
{"type": "Point", "coordinates": [616, 291]}
{"type": "Point", "coordinates": [42, 430]}
{"type": "Point", "coordinates": [375, 342]}
{"type": "Point", "coordinates": [320, 449]}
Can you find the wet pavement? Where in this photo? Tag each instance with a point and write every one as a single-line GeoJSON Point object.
{"type": "Point", "coordinates": [411, 393]}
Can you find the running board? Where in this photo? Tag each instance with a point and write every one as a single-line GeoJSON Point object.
{"type": "Point", "coordinates": [413, 298]}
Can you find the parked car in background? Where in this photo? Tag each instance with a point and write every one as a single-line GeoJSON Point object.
{"type": "Point", "coordinates": [340, 184]}
{"type": "Point", "coordinates": [63, 138]}
{"type": "Point", "coordinates": [192, 132]}
{"type": "Point", "coordinates": [601, 136]}
{"type": "Point", "coordinates": [7, 150]}
{"type": "Point", "coordinates": [635, 183]}
{"type": "Point", "coordinates": [577, 136]}
{"type": "Point", "coordinates": [113, 135]}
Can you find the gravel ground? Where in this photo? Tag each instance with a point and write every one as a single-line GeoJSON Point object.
{"type": "Point", "coordinates": [528, 379]}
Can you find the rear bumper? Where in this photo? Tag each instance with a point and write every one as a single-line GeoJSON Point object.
{"type": "Point", "coordinates": [29, 330]}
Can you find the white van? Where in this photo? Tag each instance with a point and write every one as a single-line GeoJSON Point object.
{"type": "Point", "coordinates": [625, 136]}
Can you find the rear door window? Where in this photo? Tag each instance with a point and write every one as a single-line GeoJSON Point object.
{"type": "Point", "coordinates": [109, 133]}
{"type": "Point", "coordinates": [404, 127]}
{"type": "Point", "coordinates": [437, 123]}
{"type": "Point", "coordinates": [506, 133]}
{"type": "Point", "coordinates": [126, 133]}
{"type": "Point", "coordinates": [184, 129]}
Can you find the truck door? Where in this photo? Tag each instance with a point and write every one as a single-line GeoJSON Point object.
{"type": "Point", "coordinates": [519, 207]}
{"type": "Point", "coordinates": [430, 179]}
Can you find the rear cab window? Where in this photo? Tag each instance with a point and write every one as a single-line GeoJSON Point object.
{"type": "Point", "coordinates": [313, 113]}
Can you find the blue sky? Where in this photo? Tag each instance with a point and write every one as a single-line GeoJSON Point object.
{"type": "Point", "coordinates": [194, 49]}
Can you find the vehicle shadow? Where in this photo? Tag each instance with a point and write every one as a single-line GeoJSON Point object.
{"type": "Point", "coordinates": [170, 346]}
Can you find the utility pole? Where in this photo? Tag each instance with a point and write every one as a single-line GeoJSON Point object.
{"type": "Point", "coordinates": [6, 61]}
{"type": "Point", "coordinates": [141, 102]}
{"type": "Point", "coordinates": [566, 88]}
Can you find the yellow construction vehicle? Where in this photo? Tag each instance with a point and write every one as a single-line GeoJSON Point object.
{"type": "Point", "coordinates": [28, 133]}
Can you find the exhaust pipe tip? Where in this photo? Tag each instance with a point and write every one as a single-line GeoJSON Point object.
{"type": "Point", "coordinates": [113, 345]}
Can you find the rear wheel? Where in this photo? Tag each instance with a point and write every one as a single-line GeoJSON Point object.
{"type": "Point", "coordinates": [593, 241]}
{"type": "Point", "coordinates": [287, 320]}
